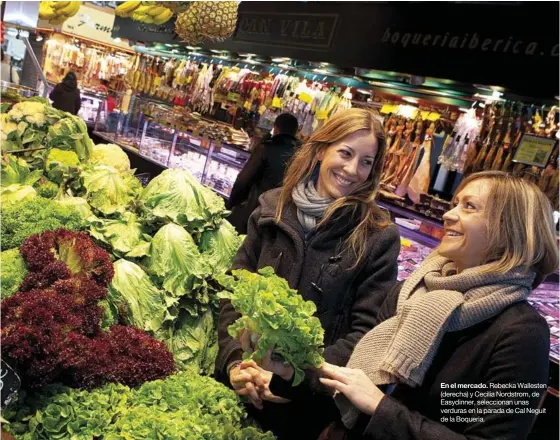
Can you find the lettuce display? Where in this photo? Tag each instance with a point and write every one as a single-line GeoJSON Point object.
{"type": "Point", "coordinates": [278, 315]}
{"type": "Point", "coordinates": [220, 246]}
{"type": "Point", "coordinates": [175, 261]}
{"type": "Point", "coordinates": [109, 191]}
{"type": "Point", "coordinates": [27, 217]}
{"type": "Point", "coordinates": [51, 327]}
{"type": "Point", "coordinates": [126, 236]}
{"type": "Point", "coordinates": [13, 269]}
{"type": "Point", "coordinates": [15, 193]}
{"type": "Point", "coordinates": [138, 300]}
{"type": "Point", "coordinates": [183, 406]}
{"type": "Point", "coordinates": [78, 204]}
{"type": "Point", "coordinates": [59, 164]}
{"type": "Point", "coordinates": [193, 340]}
{"type": "Point", "coordinates": [175, 195]}
{"type": "Point", "coordinates": [17, 170]}
{"type": "Point", "coordinates": [111, 154]}
{"type": "Point", "coordinates": [34, 124]}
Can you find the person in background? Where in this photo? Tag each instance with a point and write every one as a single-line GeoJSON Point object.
{"type": "Point", "coordinates": [104, 88]}
{"type": "Point", "coordinates": [499, 244]}
{"type": "Point", "coordinates": [9, 73]}
{"type": "Point", "coordinates": [264, 170]}
{"type": "Point", "coordinates": [324, 233]}
{"type": "Point", "coordinates": [66, 95]}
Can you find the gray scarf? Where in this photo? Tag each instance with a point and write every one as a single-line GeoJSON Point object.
{"type": "Point", "coordinates": [433, 300]}
{"type": "Point", "coordinates": [310, 205]}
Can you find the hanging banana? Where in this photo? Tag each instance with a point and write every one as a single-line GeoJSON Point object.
{"type": "Point", "coordinates": [58, 12]}
{"type": "Point", "coordinates": [146, 12]}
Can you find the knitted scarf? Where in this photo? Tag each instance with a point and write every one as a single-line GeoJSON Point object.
{"type": "Point", "coordinates": [310, 205]}
{"type": "Point", "coordinates": [434, 300]}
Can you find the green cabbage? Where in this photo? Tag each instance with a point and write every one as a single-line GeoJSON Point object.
{"type": "Point", "coordinates": [126, 236]}
{"type": "Point", "coordinates": [138, 301]}
{"type": "Point", "coordinates": [177, 196]}
{"type": "Point", "coordinates": [175, 260]}
{"type": "Point", "coordinates": [60, 164]}
{"type": "Point", "coordinates": [109, 191]}
{"type": "Point", "coordinates": [220, 246]}
{"type": "Point", "coordinates": [111, 154]}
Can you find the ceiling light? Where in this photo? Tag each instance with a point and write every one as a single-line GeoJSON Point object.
{"type": "Point", "coordinates": [364, 92]}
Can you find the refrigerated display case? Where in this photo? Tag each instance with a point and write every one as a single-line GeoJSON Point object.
{"type": "Point", "coordinates": [170, 137]}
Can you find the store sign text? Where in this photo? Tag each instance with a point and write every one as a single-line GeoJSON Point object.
{"type": "Point", "coordinates": [315, 30]}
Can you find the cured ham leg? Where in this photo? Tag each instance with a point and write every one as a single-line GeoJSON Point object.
{"type": "Point", "coordinates": [420, 182]}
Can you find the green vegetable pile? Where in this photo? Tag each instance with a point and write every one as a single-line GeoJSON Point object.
{"type": "Point", "coordinates": [278, 315]}
{"type": "Point", "coordinates": [183, 406]}
{"type": "Point", "coordinates": [13, 270]}
{"type": "Point", "coordinates": [33, 216]}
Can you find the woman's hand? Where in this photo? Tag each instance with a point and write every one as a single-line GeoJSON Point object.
{"type": "Point", "coordinates": [248, 340]}
{"type": "Point", "coordinates": [282, 369]}
{"type": "Point", "coordinates": [355, 385]}
{"type": "Point", "coordinates": [242, 382]}
{"type": "Point", "coordinates": [261, 380]}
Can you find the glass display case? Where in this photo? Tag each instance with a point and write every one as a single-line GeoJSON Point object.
{"type": "Point", "coordinates": [173, 137]}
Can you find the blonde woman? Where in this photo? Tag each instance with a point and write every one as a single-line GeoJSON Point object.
{"type": "Point", "coordinates": [324, 233]}
{"type": "Point", "coordinates": [459, 324]}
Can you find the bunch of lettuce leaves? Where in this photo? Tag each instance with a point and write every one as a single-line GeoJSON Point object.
{"type": "Point", "coordinates": [109, 191]}
{"type": "Point", "coordinates": [33, 216]}
{"type": "Point", "coordinates": [278, 315]}
{"type": "Point", "coordinates": [175, 263]}
{"type": "Point", "coordinates": [13, 269]}
{"type": "Point", "coordinates": [125, 236]}
{"type": "Point", "coordinates": [17, 170]}
{"type": "Point", "coordinates": [175, 195]}
{"type": "Point", "coordinates": [219, 247]}
{"type": "Point", "coordinates": [180, 407]}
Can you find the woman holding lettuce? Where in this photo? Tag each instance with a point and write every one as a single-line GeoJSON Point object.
{"type": "Point", "coordinates": [324, 233]}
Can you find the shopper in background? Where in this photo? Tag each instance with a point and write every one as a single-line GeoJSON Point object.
{"type": "Point", "coordinates": [66, 95]}
{"type": "Point", "coordinates": [9, 73]}
{"type": "Point", "coordinates": [499, 245]}
{"type": "Point", "coordinates": [264, 170]}
{"type": "Point", "coordinates": [324, 233]}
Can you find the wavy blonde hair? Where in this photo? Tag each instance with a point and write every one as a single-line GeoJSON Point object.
{"type": "Point", "coordinates": [362, 200]}
{"type": "Point", "coordinates": [520, 225]}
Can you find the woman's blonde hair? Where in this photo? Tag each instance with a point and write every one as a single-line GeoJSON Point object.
{"type": "Point", "coordinates": [362, 200]}
{"type": "Point", "coordinates": [520, 225]}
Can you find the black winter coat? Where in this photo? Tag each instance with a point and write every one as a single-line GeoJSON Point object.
{"type": "Point", "coordinates": [66, 96]}
{"type": "Point", "coordinates": [347, 299]}
{"type": "Point", "coordinates": [510, 348]}
{"type": "Point", "coordinates": [263, 171]}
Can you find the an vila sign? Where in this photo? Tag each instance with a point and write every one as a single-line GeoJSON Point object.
{"type": "Point", "coordinates": [314, 31]}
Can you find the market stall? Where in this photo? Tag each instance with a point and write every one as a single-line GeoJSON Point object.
{"type": "Point", "coordinates": [187, 118]}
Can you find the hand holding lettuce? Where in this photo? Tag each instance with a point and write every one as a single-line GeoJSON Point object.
{"type": "Point", "coordinates": [278, 315]}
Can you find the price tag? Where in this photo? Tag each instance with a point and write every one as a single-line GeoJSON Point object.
{"type": "Point", "coordinates": [305, 97]}
{"type": "Point", "coordinates": [276, 103]}
{"type": "Point", "coordinates": [424, 115]}
{"type": "Point", "coordinates": [247, 106]}
{"type": "Point", "coordinates": [405, 242]}
{"type": "Point", "coordinates": [386, 109]}
{"type": "Point", "coordinates": [322, 115]}
{"type": "Point", "coordinates": [233, 97]}
{"type": "Point", "coordinates": [262, 109]}
{"type": "Point", "coordinates": [433, 116]}
{"type": "Point", "coordinates": [534, 150]}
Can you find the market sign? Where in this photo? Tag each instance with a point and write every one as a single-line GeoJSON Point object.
{"type": "Point", "coordinates": [91, 22]}
{"type": "Point", "coordinates": [307, 30]}
{"type": "Point", "coordinates": [534, 150]}
{"type": "Point", "coordinates": [136, 31]}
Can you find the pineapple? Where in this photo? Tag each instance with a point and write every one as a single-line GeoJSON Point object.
{"type": "Point", "coordinates": [212, 20]}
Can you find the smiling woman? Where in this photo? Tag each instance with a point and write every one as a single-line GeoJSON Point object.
{"type": "Point", "coordinates": [324, 233]}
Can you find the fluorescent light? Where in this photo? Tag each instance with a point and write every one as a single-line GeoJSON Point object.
{"type": "Point", "coordinates": [364, 92]}
{"type": "Point", "coordinates": [411, 100]}
{"type": "Point", "coordinates": [117, 40]}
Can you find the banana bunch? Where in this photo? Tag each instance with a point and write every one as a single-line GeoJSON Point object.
{"type": "Point", "coordinates": [146, 12]}
{"type": "Point", "coordinates": [58, 12]}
